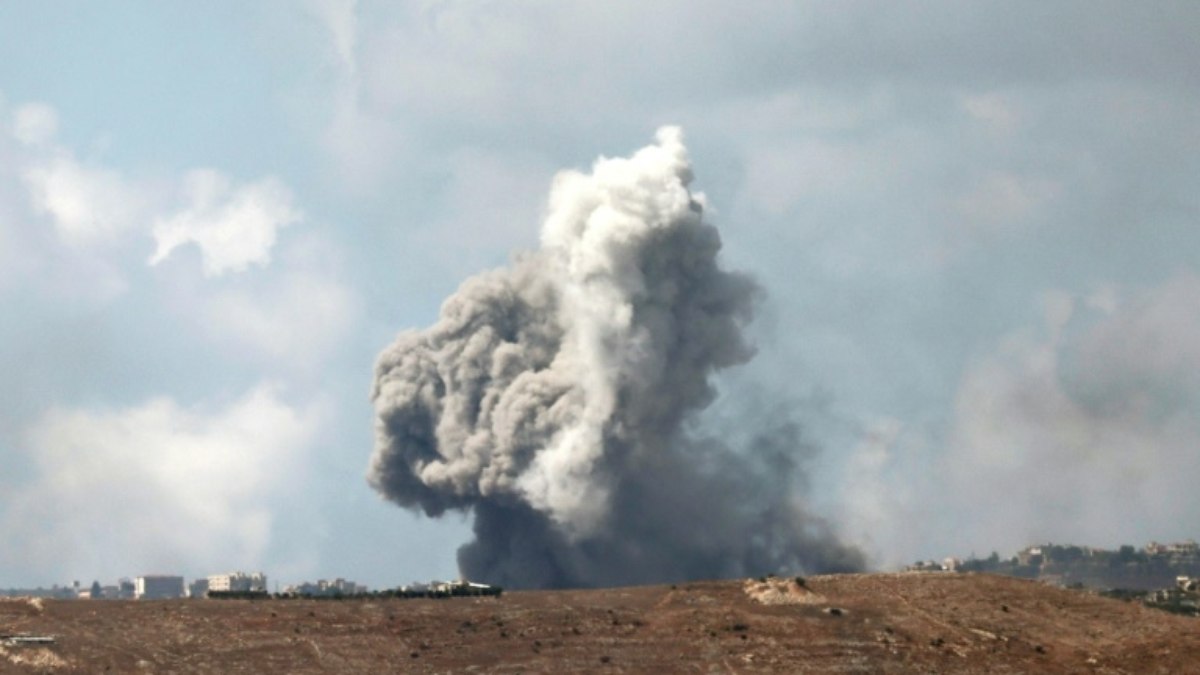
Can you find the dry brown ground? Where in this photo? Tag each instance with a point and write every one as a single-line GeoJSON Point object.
{"type": "Point", "coordinates": [883, 623]}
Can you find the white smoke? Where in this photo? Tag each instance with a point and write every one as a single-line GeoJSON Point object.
{"type": "Point", "coordinates": [552, 394]}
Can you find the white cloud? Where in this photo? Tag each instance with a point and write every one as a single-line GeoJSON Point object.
{"type": "Point", "coordinates": [289, 322]}
{"type": "Point", "coordinates": [997, 112]}
{"type": "Point", "coordinates": [35, 123]}
{"type": "Point", "coordinates": [295, 322]}
{"type": "Point", "coordinates": [234, 226]}
{"type": "Point", "coordinates": [61, 218]}
{"type": "Point", "coordinates": [156, 487]}
{"type": "Point", "coordinates": [1004, 199]}
{"type": "Point", "coordinates": [95, 210]}
{"type": "Point", "coordinates": [87, 204]}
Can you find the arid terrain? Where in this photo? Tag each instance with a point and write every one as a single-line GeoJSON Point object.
{"type": "Point", "coordinates": [881, 623]}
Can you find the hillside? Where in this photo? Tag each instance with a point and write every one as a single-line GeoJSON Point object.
{"type": "Point", "coordinates": [946, 623]}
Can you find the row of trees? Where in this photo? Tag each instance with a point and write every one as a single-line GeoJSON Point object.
{"type": "Point", "coordinates": [457, 591]}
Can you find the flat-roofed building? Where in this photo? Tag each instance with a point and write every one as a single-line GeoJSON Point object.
{"type": "Point", "coordinates": [237, 581]}
{"type": "Point", "coordinates": [156, 586]}
{"type": "Point", "coordinates": [324, 587]}
{"type": "Point", "coordinates": [198, 588]}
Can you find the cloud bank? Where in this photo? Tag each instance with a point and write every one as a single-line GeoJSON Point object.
{"type": "Point", "coordinates": [156, 486]}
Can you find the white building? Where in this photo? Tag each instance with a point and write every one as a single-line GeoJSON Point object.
{"type": "Point", "coordinates": [325, 587]}
{"type": "Point", "coordinates": [153, 586]}
{"type": "Point", "coordinates": [237, 581]}
{"type": "Point", "coordinates": [461, 586]}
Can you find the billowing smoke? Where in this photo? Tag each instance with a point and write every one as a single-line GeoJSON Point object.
{"type": "Point", "coordinates": [556, 399]}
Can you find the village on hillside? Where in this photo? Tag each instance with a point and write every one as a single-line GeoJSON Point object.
{"type": "Point", "coordinates": [1166, 576]}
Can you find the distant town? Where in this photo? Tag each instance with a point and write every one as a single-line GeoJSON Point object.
{"type": "Point", "coordinates": [1154, 565]}
{"type": "Point", "coordinates": [1164, 576]}
{"type": "Point", "coordinates": [238, 585]}
{"type": "Point", "coordinates": [1161, 572]}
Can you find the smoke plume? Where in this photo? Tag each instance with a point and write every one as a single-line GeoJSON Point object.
{"type": "Point", "coordinates": [555, 400]}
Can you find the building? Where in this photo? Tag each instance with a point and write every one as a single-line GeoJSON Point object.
{"type": "Point", "coordinates": [156, 586]}
{"type": "Point", "coordinates": [1031, 556]}
{"type": "Point", "coordinates": [237, 582]}
{"type": "Point", "coordinates": [1181, 549]}
{"type": "Point", "coordinates": [461, 587]}
{"type": "Point", "coordinates": [198, 588]}
{"type": "Point", "coordinates": [324, 587]}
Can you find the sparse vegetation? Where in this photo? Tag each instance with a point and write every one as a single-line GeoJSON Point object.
{"type": "Point", "coordinates": [1168, 600]}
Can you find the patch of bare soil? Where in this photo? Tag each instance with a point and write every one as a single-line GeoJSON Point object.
{"type": "Point", "coordinates": [37, 658]}
{"type": "Point", "coordinates": [886, 623]}
{"type": "Point", "coordinates": [777, 591]}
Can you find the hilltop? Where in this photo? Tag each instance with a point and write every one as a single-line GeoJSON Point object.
{"type": "Point", "coordinates": [890, 623]}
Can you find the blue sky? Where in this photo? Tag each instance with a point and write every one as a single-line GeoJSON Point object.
{"type": "Point", "coordinates": [976, 225]}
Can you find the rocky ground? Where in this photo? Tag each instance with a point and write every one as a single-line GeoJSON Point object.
{"type": "Point", "coordinates": [881, 623]}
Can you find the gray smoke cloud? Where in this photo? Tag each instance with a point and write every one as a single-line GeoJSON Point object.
{"type": "Point", "coordinates": [556, 400]}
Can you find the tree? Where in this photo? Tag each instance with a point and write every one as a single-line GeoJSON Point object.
{"type": "Point", "coordinates": [96, 590]}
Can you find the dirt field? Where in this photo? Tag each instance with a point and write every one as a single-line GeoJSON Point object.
{"type": "Point", "coordinates": [886, 623]}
